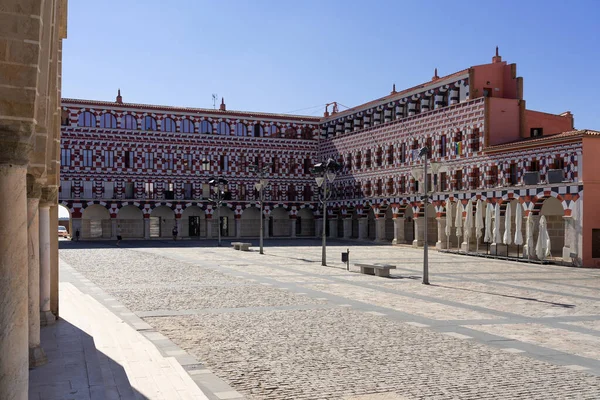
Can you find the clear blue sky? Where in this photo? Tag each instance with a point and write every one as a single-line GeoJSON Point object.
{"type": "Point", "coordinates": [284, 55]}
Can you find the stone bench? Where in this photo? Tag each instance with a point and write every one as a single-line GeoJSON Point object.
{"type": "Point", "coordinates": [375, 269]}
{"type": "Point", "coordinates": [241, 246]}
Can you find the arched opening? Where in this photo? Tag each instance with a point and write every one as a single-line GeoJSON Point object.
{"type": "Point", "coordinates": [280, 222]}
{"type": "Point", "coordinates": [95, 223]}
{"type": "Point", "coordinates": [162, 222]}
{"type": "Point", "coordinates": [371, 225]}
{"type": "Point", "coordinates": [109, 121]}
{"type": "Point", "coordinates": [258, 130]}
{"type": "Point", "coordinates": [149, 123]}
{"type": "Point", "coordinates": [193, 222]}
{"type": "Point", "coordinates": [409, 225]}
{"type": "Point", "coordinates": [206, 127]}
{"type": "Point", "coordinates": [354, 234]}
{"type": "Point", "coordinates": [227, 224]}
{"type": "Point", "coordinates": [251, 222]}
{"type": "Point", "coordinates": [305, 223]}
{"type": "Point", "coordinates": [169, 125]}
{"type": "Point", "coordinates": [86, 119]}
{"type": "Point", "coordinates": [130, 222]}
{"type": "Point", "coordinates": [389, 224]}
{"type": "Point", "coordinates": [187, 126]}
{"type": "Point", "coordinates": [64, 220]}
{"type": "Point", "coordinates": [553, 210]}
{"type": "Point", "coordinates": [432, 230]}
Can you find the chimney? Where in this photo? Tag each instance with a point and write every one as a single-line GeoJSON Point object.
{"type": "Point", "coordinates": [119, 98]}
{"type": "Point", "coordinates": [222, 106]}
{"type": "Point", "coordinates": [496, 58]}
{"type": "Point", "coordinates": [435, 76]}
{"type": "Point", "coordinates": [393, 89]}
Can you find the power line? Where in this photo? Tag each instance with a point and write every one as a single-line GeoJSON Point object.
{"type": "Point", "coordinates": [302, 109]}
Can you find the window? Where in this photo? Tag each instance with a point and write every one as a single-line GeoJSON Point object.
{"type": "Point", "coordinates": [273, 131]}
{"type": "Point", "coordinates": [206, 165]}
{"type": "Point", "coordinates": [258, 130]}
{"type": "Point", "coordinates": [149, 160]}
{"type": "Point", "coordinates": [368, 159]}
{"type": "Point", "coordinates": [149, 123]}
{"type": "Point", "coordinates": [358, 160]}
{"type": "Point", "coordinates": [223, 128]}
{"type": "Point", "coordinates": [128, 122]}
{"type": "Point", "coordinates": [378, 157]}
{"type": "Point", "coordinates": [168, 125]}
{"type": "Point", "coordinates": [149, 190]}
{"type": "Point", "coordinates": [390, 155]}
{"type": "Point", "coordinates": [595, 243]}
{"type": "Point", "coordinates": [487, 92]}
{"type": "Point", "coordinates": [169, 164]}
{"type": "Point", "coordinates": [475, 178]}
{"type": "Point", "coordinates": [187, 126]}
{"type": "Point", "coordinates": [188, 161]}
{"type": "Point", "coordinates": [129, 159]}
{"type": "Point", "coordinates": [403, 153]}
{"type": "Point", "coordinates": [108, 121]}
{"type": "Point", "coordinates": [306, 133]}
{"type": "Point", "coordinates": [443, 146]}
{"type": "Point", "coordinates": [458, 178]}
{"type": "Point", "coordinates": [535, 132]}
{"type": "Point", "coordinates": [494, 175]}
{"type": "Point", "coordinates": [390, 186]}
{"type": "Point", "coordinates": [443, 181]}
{"type": "Point", "coordinates": [129, 190]}
{"type": "Point", "coordinates": [307, 165]}
{"type": "Point", "coordinates": [64, 117]}
{"type": "Point", "coordinates": [187, 191]}
{"type": "Point", "coordinates": [223, 163]}
{"type": "Point", "coordinates": [169, 191]}
{"type": "Point", "coordinates": [535, 166]}
{"type": "Point", "coordinates": [475, 140]}
{"type": "Point", "coordinates": [349, 161]}
{"type": "Point", "coordinates": [513, 174]}
{"type": "Point", "coordinates": [86, 118]}
{"type": "Point", "coordinates": [559, 163]}
{"type": "Point", "coordinates": [241, 129]}
{"type": "Point", "coordinates": [206, 127]}
{"type": "Point", "coordinates": [109, 158]}
{"type": "Point", "coordinates": [87, 158]}
{"type": "Point", "coordinates": [402, 184]}
{"type": "Point", "coordinates": [65, 157]}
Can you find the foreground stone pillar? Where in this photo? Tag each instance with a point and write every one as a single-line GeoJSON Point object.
{"type": "Point", "coordinates": [54, 262]}
{"type": "Point", "coordinates": [14, 357]}
{"type": "Point", "coordinates": [398, 230]}
{"type": "Point", "coordinates": [380, 229]}
{"type": "Point", "coordinates": [536, 227]}
{"type": "Point", "coordinates": [442, 237]}
{"type": "Point", "coordinates": [46, 316]}
{"type": "Point", "coordinates": [333, 227]}
{"type": "Point", "coordinates": [419, 231]}
{"type": "Point", "coordinates": [363, 228]}
{"type": "Point", "coordinates": [178, 224]}
{"type": "Point", "coordinates": [347, 228]}
{"type": "Point", "coordinates": [36, 354]}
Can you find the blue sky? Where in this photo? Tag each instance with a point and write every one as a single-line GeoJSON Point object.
{"type": "Point", "coordinates": [284, 56]}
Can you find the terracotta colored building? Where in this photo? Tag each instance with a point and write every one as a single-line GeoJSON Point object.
{"type": "Point", "coordinates": [140, 170]}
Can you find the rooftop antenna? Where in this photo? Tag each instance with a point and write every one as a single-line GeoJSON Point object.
{"type": "Point", "coordinates": [214, 97]}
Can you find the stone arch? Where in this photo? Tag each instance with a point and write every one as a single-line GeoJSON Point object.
{"type": "Point", "coordinates": [95, 222]}
{"type": "Point", "coordinates": [279, 222]}
{"type": "Point", "coordinates": [250, 222]}
{"type": "Point", "coordinates": [65, 218]}
{"type": "Point", "coordinates": [552, 208]}
{"type": "Point", "coordinates": [227, 224]}
{"type": "Point", "coordinates": [193, 222]}
{"type": "Point", "coordinates": [538, 201]}
{"type": "Point", "coordinates": [305, 223]}
{"type": "Point", "coordinates": [162, 221]}
{"type": "Point", "coordinates": [130, 222]}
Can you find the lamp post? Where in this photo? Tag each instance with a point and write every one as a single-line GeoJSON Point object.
{"type": "Point", "coordinates": [325, 173]}
{"type": "Point", "coordinates": [219, 191]}
{"type": "Point", "coordinates": [260, 186]}
{"type": "Point", "coordinates": [424, 153]}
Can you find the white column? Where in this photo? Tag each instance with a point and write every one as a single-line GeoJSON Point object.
{"type": "Point", "coordinates": [14, 360]}
{"type": "Point", "coordinates": [499, 248]}
{"type": "Point", "coordinates": [113, 228]}
{"type": "Point", "coordinates": [333, 226]}
{"type": "Point", "coordinates": [178, 224]}
{"type": "Point", "coordinates": [209, 225]}
{"type": "Point", "coordinates": [146, 228]}
{"type": "Point", "coordinates": [293, 223]}
{"type": "Point", "coordinates": [318, 227]}
{"type": "Point", "coordinates": [380, 229]}
{"type": "Point", "coordinates": [36, 354]}
{"type": "Point", "coordinates": [238, 227]}
{"type": "Point", "coordinates": [347, 228]}
{"type": "Point", "coordinates": [398, 230]}
{"type": "Point", "coordinates": [441, 241]}
{"type": "Point", "coordinates": [363, 228]}
{"type": "Point", "coordinates": [46, 316]}
{"type": "Point", "coordinates": [419, 231]}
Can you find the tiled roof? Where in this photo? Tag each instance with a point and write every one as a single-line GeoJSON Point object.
{"type": "Point", "coordinates": [540, 141]}
{"type": "Point", "coordinates": [167, 109]}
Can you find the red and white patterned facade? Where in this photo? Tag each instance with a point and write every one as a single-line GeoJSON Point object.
{"type": "Point", "coordinates": [487, 144]}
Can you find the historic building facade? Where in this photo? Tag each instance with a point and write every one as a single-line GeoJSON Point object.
{"type": "Point", "coordinates": [139, 171]}
{"type": "Point", "coordinates": [30, 80]}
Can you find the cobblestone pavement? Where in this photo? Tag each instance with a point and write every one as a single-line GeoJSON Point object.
{"type": "Point", "coordinates": [281, 326]}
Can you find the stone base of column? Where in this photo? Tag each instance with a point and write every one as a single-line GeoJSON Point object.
{"type": "Point", "coordinates": [47, 318]}
{"type": "Point", "coordinates": [37, 357]}
{"type": "Point", "coordinates": [496, 249]}
{"type": "Point", "coordinates": [440, 245]}
{"type": "Point", "coordinates": [464, 246]}
{"type": "Point", "coordinates": [417, 243]}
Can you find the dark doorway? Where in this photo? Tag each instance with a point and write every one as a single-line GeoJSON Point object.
{"type": "Point", "coordinates": [194, 226]}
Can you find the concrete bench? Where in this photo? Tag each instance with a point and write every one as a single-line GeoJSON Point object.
{"type": "Point", "coordinates": [376, 269]}
{"type": "Point", "coordinates": [241, 246]}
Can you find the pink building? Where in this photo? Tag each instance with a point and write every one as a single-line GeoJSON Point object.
{"type": "Point", "coordinates": [141, 169]}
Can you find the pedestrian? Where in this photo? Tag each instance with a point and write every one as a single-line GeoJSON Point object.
{"type": "Point", "coordinates": [77, 235]}
{"type": "Point", "coordinates": [175, 232]}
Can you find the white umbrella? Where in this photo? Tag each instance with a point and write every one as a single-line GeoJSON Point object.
{"type": "Point", "coordinates": [542, 248]}
{"type": "Point", "coordinates": [519, 225]}
{"type": "Point", "coordinates": [529, 235]}
{"type": "Point", "coordinates": [458, 221]}
{"type": "Point", "coordinates": [497, 237]}
{"type": "Point", "coordinates": [507, 239]}
{"type": "Point", "coordinates": [478, 221]}
{"type": "Point", "coordinates": [448, 222]}
{"type": "Point", "coordinates": [489, 209]}
{"type": "Point", "coordinates": [468, 222]}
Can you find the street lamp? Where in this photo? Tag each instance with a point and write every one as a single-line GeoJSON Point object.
{"type": "Point", "coordinates": [219, 195]}
{"type": "Point", "coordinates": [325, 173]}
{"type": "Point", "coordinates": [260, 187]}
{"type": "Point", "coordinates": [424, 154]}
